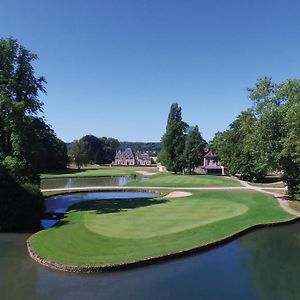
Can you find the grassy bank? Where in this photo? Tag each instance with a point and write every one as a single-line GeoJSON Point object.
{"type": "Point", "coordinates": [295, 205]}
{"type": "Point", "coordinates": [172, 180]}
{"type": "Point", "coordinates": [110, 232]}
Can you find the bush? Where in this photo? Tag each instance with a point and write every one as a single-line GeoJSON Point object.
{"type": "Point", "coordinates": [21, 206]}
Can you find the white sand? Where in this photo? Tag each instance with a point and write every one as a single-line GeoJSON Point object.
{"type": "Point", "coordinates": [145, 173]}
{"type": "Point", "coordinates": [178, 194]}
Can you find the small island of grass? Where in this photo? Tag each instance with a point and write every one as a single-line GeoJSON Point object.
{"type": "Point", "coordinates": [119, 232]}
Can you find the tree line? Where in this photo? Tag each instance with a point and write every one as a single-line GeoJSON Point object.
{"type": "Point", "coordinates": [92, 150]}
{"type": "Point", "coordinates": [266, 137]}
{"type": "Point", "coordinates": [28, 145]}
{"type": "Point", "coordinates": [182, 145]}
{"type": "Point", "coordinates": [152, 148]}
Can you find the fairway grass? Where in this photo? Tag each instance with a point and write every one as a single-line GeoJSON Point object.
{"type": "Point", "coordinates": [172, 180]}
{"type": "Point", "coordinates": [121, 231]}
{"type": "Point", "coordinates": [99, 172]}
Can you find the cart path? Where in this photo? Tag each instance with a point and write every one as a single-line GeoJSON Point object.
{"type": "Point", "coordinates": [283, 202]}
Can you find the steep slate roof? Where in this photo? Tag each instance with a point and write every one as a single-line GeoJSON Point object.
{"type": "Point", "coordinates": [128, 153]}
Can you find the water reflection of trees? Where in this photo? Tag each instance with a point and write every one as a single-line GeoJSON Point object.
{"type": "Point", "coordinates": [18, 273]}
{"type": "Point", "coordinates": [271, 257]}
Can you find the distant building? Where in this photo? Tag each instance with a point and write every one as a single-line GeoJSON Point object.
{"type": "Point", "coordinates": [130, 158]}
{"type": "Point", "coordinates": [212, 164]}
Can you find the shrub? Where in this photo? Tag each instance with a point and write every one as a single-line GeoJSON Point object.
{"type": "Point", "coordinates": [21, 206]}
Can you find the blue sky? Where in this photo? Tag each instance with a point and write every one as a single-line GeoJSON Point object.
{"type": "Point", "coordinates": [114, 67]}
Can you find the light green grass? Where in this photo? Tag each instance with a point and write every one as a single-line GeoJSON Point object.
{"type": "Point", "coordinates": [198, 214]}
{"type": "Point", "coordinates": [99, 172]}
{"type": "Point", "coordinates": [172, 180]}
{"type": "Point", "coordinates": [115, 231]}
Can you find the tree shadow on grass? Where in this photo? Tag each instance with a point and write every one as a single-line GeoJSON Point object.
{"type": "Point", "coordinates": [115, 205]}
{"type": "Point", "coordinates": [271, 179]}
{"type": "Point", "coordinates": [61, 223]}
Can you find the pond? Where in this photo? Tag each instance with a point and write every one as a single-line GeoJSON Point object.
{"type": "Point", "coordinates": [261, 265]}
{"type": "Point", "coordinates": [58, 183]}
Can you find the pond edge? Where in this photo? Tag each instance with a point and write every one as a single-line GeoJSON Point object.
{"type": "Point", "coordinates": [148, 260]}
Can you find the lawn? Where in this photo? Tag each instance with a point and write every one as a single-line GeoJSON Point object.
{"type": "Point", "coordinates": [116, 231]}
{"type": "Point", "coordinates": [172, 180]}
{"type": "Point", "coordinates": [95, 172]}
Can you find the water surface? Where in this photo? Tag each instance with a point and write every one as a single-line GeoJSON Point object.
{"type": "Point", "coordinates": [58, 183]}
{"type": "Point", "coordinates": [261, 265]}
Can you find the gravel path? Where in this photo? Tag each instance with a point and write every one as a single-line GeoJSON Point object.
{"type": "Point", "coordinates": [284, 204]}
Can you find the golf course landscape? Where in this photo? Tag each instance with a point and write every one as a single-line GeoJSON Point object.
{"type": "Point", "coordinates": [116, 232]}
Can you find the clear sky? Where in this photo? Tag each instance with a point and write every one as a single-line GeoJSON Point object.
{"type": "Point", "coordinates": [114, 67]}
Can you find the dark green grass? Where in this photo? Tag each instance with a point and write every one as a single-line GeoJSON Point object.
{"type": "Point", "coordinates": [172, 180]}
{"type": "Point", "coordinates": [99, 233]}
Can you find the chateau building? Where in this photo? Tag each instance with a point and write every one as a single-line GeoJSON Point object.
{"type": "Point", "coordinates": [130, 158]}
{"type": "Point", "coordinates": [212, 164]}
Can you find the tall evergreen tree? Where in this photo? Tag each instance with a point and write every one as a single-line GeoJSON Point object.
{"type": "Point", "coordinates": [173, 141]}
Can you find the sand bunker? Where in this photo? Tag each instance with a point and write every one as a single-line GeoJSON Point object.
{"type": "Point", "coordinates": [146, 173]}
{"type": "Point", "coordinates": [178, 194]}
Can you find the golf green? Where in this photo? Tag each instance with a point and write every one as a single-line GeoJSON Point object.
{"type": "Point", "coordinates": [119, 231]}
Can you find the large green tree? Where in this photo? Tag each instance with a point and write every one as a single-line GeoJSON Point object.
{"type": "Point", "coordinates": [94, 148]}
{"type": "Point", "coordinates": [237, 147]}
{"type": "Point", "coordinates": [266, 137]}
{"type": "Point", "coordinates": [194, 149]}
{"type": "Point", "coordinates": [19, 100]}
{"type": "Point", "coordinates": [277, 106]}
{"type": "Point", "coordinates": [79, 153]}
{"type": "Point", "coordinates": [21, 203]}
{"type": "Point", "coordinates": [110, 146]}
{"type": "Point", "coordinates": [173, 141]}
{"type": "Point", "coordinates": [27, 144]}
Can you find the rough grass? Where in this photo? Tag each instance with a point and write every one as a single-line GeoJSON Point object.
{"type": "Point", "coordinates": [282, 192]}
{"type": "Point", "coordinates": [108, 232]}
{"type": "Point", "coordinates": [172, 180]}
{"type": "Point", "coordinates": [295, 205]}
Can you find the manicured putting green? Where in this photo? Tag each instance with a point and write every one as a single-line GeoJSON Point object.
{"type": "Point", "coordinates": [117, 231]}
{"type": "Point", "coordinates": [156, 220]}
{"type": "Point", "coordinates": [172, 180]}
